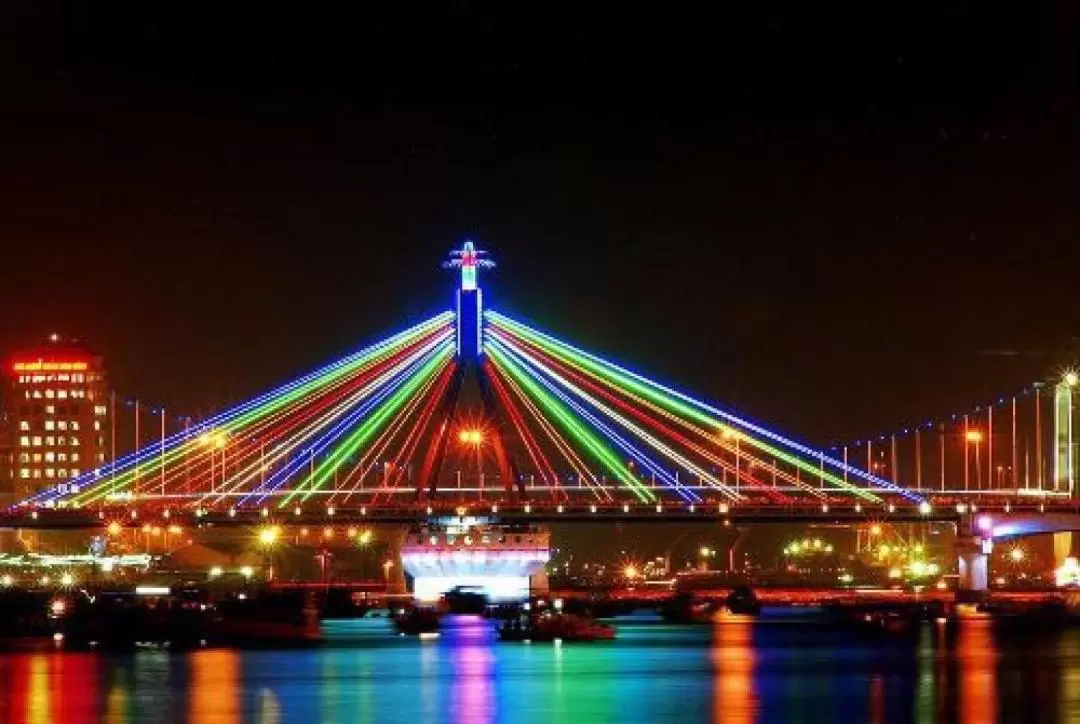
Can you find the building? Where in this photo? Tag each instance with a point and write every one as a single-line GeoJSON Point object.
{"type": "Point", "coordinates": [54, 414]}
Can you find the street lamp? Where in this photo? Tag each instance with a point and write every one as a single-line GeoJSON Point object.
{"type": "Point", "coordinates": [974, 437]}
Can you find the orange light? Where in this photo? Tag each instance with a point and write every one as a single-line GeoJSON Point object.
{"type": "Point", "coordinates": [630, 572]}
{"type": "Point", "coordinates": [328, 533]}
{"type": "Point", "coordinates": [470, 437]}
{"type": "Point", "coordinates": [875, 530]}
{"type": "Point", "coordinates": [51, 366]}
{"type": "Point", "coordinates": [114, 528]}
{"type": "Point", "coordinates": [973, 436]}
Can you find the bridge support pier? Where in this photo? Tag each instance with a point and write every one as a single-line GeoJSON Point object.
{"type": "Point", "coordinates": [1063, 543]}
{"type": "Point", "coordinates": [973, 562]}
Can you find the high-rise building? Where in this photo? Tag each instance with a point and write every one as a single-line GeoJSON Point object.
{"type": "Point", "coordinates": [54, 417]}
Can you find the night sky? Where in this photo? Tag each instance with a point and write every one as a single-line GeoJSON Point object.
{"type": "Point", "coordinates": [831, 222]}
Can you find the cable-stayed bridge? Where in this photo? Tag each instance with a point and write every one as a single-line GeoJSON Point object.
{"type": "Point", "coordinates": [476, 412]}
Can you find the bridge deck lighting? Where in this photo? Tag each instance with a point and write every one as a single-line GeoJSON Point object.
{"type": "Point", "coordinates": [365, 537]}
{"type": "Point", "coordinates": [247, 572]}
{"type": "Point", "coordinates": [925, 508]}
{"type": "Point", "coordinates": [214, 571]}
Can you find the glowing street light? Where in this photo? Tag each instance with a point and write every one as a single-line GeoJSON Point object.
{"type": "Point", "coordinates": [114, 528]}
{"type": "Point", "coordinates": [247, 572]}
{"type": "Point", "coordinates": [631, 572]}
{"type": "Point", "coordinates": [1016, 555]}
{"type": "Point", "coordinates": [974, 436]}
{"type": "Point", "coordinates": [215, 572]}
{"type": "Point", "coordinates": [365, 537]}
{"type": "Point", "coordinates": [268, 536]}
{"type": "Point", "coordinates": [875, 530]}
{"type": "Point", "coordinates": [1071, 378]}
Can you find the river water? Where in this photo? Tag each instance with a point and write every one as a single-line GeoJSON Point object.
{"type": "Point", "coordinates": [776, 669]}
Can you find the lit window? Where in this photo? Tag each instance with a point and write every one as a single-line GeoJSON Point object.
{"type": "Point", "coordinates": [61, 457]}
{"type": "Point", "coordinates": [61, 425]}
{"type": "Point", "coordinates": [24, 424]}
{"type": "Point", "coordinates": [75, 441]}
{"type": "Point", "coordinates": [50, 440]}
{"type": "Point", "coordinates": [37, 473]}
{"type": "Point", "coordinates": [61, 394]}
{"type": "Point", "coordinates": [37, 440]}
{"type": "Point", "coordinates": [100, 440]}
{"type": "Point", "coordinates": [101, 457]}
{"type": "Point", "coordinates": [24, 473]}
{"type": "Point", "coordinates": [24, 441]}
{"type": "Point", "coordinates": [61, 473]}
{"type": "Point", "coordinates": [73, 425]}
{"type": "Point", "coordinates": [50, 425]}
{"type": "Point", "coordinates": [37, 457]}
{"type": "Point", "coordinates": [78, 377]}
{"type": "Point", "coordinates": [61, 440]}
{"type": "Point", "coordinates": [50, 409]}
{"type": "Point", "coordinates": [63, 378]}
{"type": "Point", "coordinates": [74, 457]}
{"type": "Point", "coordinates": [50, 457]}
{"type": "Point", "coordinates": [97, 424]}
{"type": "Point", "coordinates": [100, 409]}
{"type": "Point", "coordinates": [50, 472]}
{"type": "Point", "coordinates": [37, 394]}
{"type": "Point", "coordinates": [24, 457]}
{"type": "Point", "coordinates": [74, 472]}
{"type": "Point", "coordinates": [50, 393]}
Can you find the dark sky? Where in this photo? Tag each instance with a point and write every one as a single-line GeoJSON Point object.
{"type": "Point", "coordinates": [831, 221]}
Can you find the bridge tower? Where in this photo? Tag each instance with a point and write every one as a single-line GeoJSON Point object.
{"type": "Point", "coordinates": [469, 300]}
{"type": "Point", "coordinates": [506, 562]}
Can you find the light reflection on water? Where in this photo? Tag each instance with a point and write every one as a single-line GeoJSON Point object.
{"type": "Point", "coordinates": [736, 671]}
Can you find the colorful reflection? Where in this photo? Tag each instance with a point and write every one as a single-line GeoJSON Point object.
{"type": "Point", "coordinates": [977, 658]}
{"type": "Point", "coordinates": [472, 695]}
{"type": "Point", "coordinates": [733, 657]}
{"type": "Point", "coordinates": [49, 687]}
{"type": "Point", "coordinates": [213, 692]}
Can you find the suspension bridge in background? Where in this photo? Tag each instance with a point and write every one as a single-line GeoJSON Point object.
{"type": "Point", "coordinates": [476, 413]}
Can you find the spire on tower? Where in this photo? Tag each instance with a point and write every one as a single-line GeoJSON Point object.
{"type": "Point", "coordinates": [469, 259]}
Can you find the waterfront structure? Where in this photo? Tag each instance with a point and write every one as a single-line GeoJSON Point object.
{"type": "Point", "coordinates": [55, 417]}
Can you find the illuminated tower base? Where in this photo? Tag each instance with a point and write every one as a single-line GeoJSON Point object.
{"type": "Point", "coordinates": [506, 562]}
